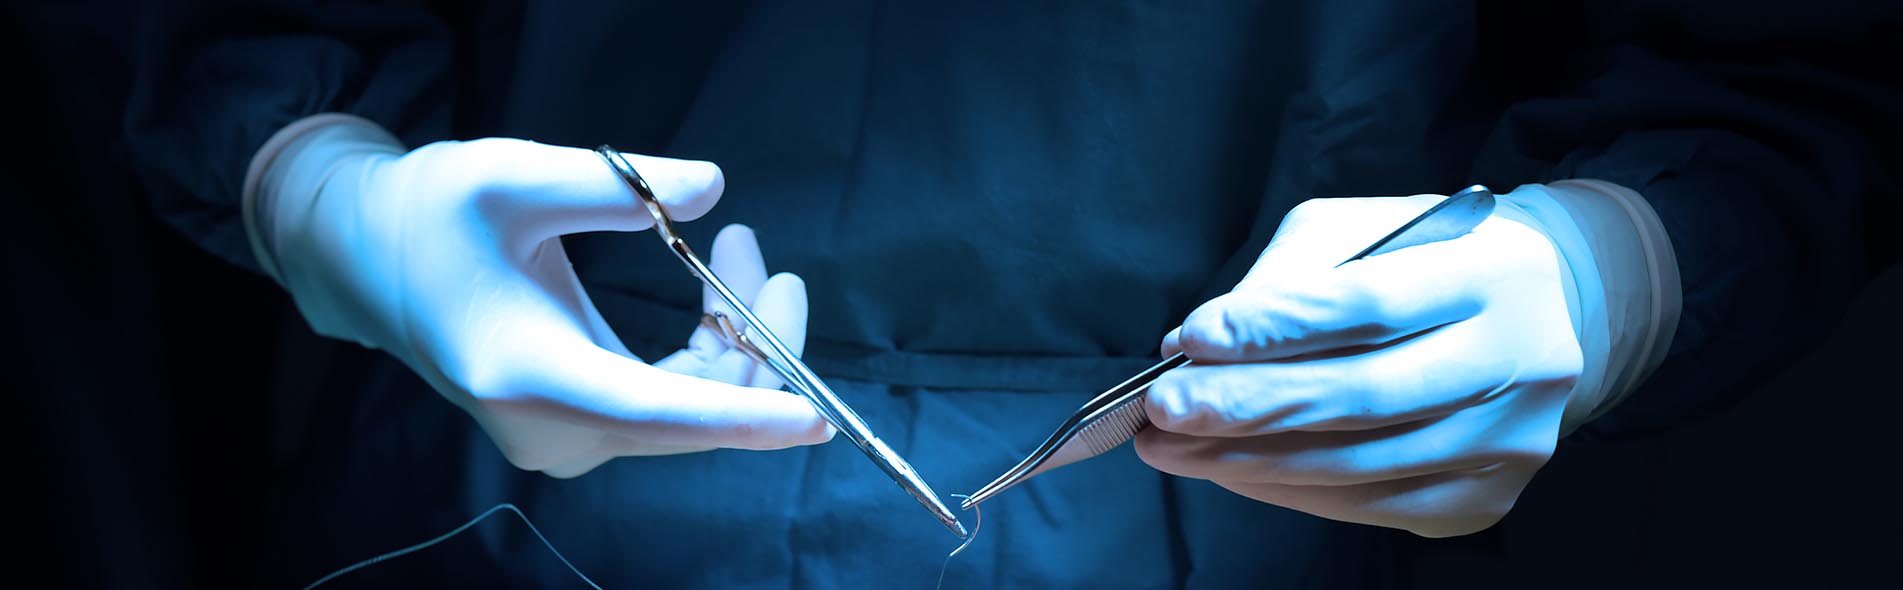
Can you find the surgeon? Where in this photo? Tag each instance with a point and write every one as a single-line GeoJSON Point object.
{"type": "Point", "coordinates": [972, 217]}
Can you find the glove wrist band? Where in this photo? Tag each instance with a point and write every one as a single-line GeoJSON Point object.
{"type": "Point", "coordinates": [1622, 284]}
{"type": "Point", "coordinates": [293, 163]}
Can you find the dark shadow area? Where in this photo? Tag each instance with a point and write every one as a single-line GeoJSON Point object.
{"type": "Point", "coordinates": [139, 364]}
{"type": "Point", "coordinates": [1791, 489]}
{"type": "Point", "coordinates": [142, 373]}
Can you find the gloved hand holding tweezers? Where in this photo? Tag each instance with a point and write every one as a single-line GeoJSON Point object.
{"type": "Point", "coordinates": [1418, 385]}
{"type": "Point", "coordinates": [1419, 389]}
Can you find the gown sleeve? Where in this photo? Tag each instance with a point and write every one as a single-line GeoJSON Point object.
{"type": "Point", "coordinates": [213, 80]}
{"type": "Point", "coordinates": [1765, 137]}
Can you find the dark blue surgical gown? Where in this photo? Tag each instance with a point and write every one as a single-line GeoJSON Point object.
{"type": "Point", "coordinates": [999, 209]}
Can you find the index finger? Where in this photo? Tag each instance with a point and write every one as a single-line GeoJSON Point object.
{"type": "Point", "coordinates": [1405, 381]}
{"type": "Point", "coordinates": [554, 190]}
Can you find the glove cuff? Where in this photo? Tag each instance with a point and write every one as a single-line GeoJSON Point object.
{"type": "Point", "coordinates": [287, 170]}
{"type": "Point", "coordinates": [1622, 284]}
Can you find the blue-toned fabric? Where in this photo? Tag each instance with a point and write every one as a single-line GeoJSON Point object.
{"type": "Point", "coordinates": [971, 180]}
{"type": "Point", "coordinates": [999, 208]}
{"type": "Point", "coordinates": [397, 466]}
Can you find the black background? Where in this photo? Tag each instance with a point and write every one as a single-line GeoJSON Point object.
{"type": "Point", "coordinates": [144, 447]}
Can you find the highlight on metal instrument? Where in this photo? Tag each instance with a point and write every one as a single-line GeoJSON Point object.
{"type": "Point", "coordinates": [750, 333]}
{"type": "Point", "coordinates": [1117, 415]}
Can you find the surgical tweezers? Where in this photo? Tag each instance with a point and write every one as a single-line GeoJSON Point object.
{"type": "Point", "coordinates": [777, 357]}
{"type": "Point", "coordinates": [1116, 415]}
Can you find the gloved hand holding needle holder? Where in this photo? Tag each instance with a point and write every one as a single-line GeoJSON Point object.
{"type": "Point", "coordinates": [1417, 389]}
{"type": "Point", "coordinates": [449, 257]}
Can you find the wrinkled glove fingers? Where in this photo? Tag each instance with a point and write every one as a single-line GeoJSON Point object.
{"type": "Point", "coordinates": [1470, 439]}
{"type": "Point", "coordinates": [1438, 505]}
{"type": "Point", "coordinates": [1409, 380]}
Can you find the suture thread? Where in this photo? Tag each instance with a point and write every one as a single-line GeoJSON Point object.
{"type": "Point", "coordinates": [458, 530]}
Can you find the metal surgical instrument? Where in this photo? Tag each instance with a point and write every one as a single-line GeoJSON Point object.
{"type": "Point", "coordinates": [777, 357]}
{"type": "Point", "coordinates": [1115, 416]}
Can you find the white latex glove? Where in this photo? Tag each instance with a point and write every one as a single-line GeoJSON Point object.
{"type": "Point", "coordinates": [449, 258]}
{"type": "Point", "coordinates": [1419, 389]}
